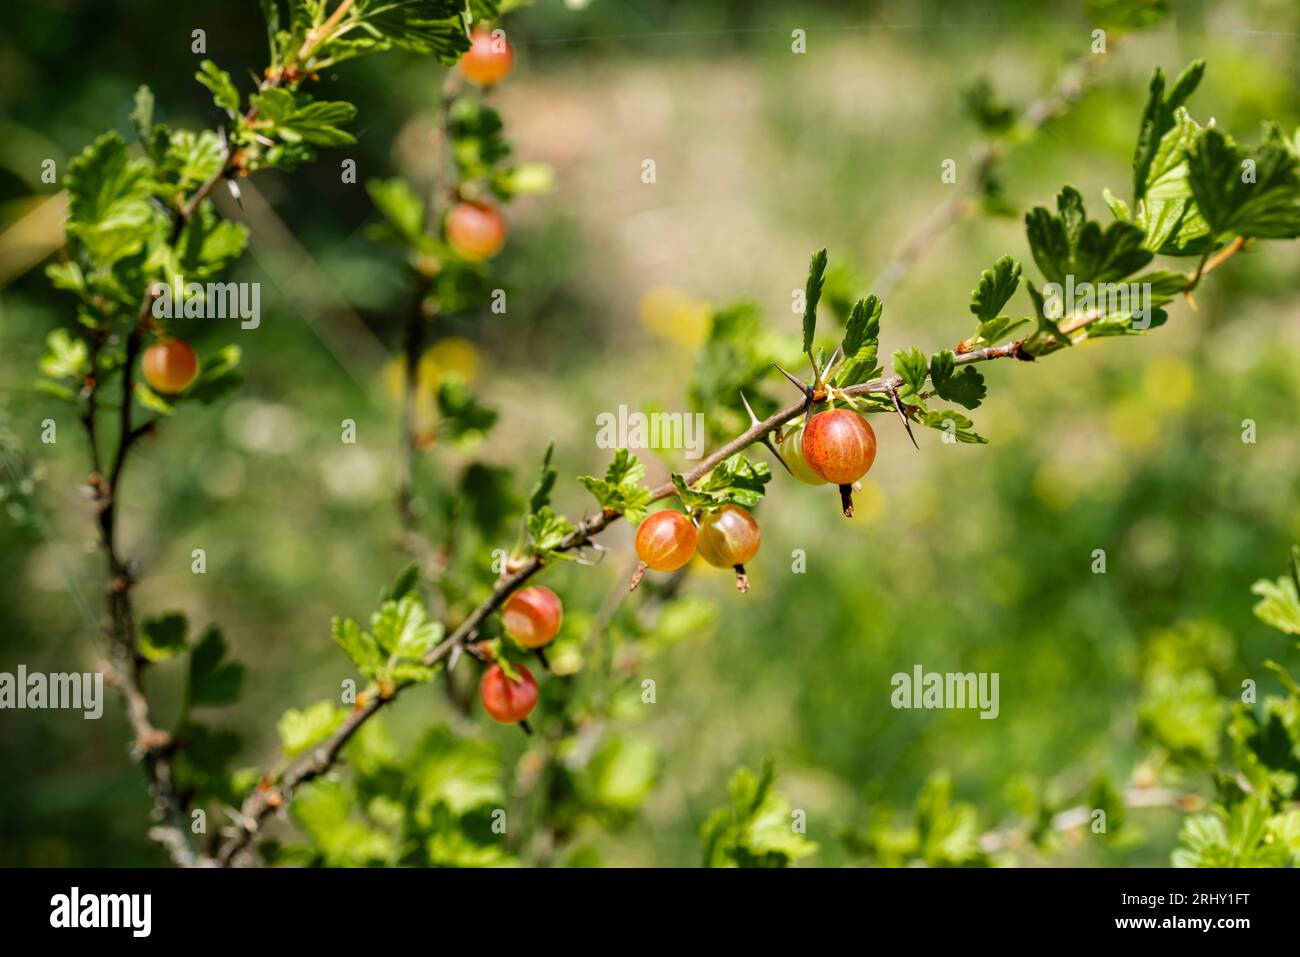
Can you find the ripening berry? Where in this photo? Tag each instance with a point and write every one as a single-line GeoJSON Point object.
{"type": "Point", "coordinates": [170, 365]}
{"type": "Point", "coordinates": [531, 616]}
{"type": "Point", "coordinates": [475, 230]}
{"type": "Point", "coordinates": [839, 445]}
{"type": "Point", "coordinates": [790, 446]}
{"type": "Point", "coordinates": [665, 541]}
{"type": "Point", "coordinates": [506, 700]}
{"type": "Point", "coordinates": [728, 538]}
{"type": "Point", "coordinates": [489, 59]}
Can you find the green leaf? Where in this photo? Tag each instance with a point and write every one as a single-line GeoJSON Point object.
{"type": "Point", "coordinates": [964, 386]}
{"type": "Point", "coordinates": [163, 636]}
{"type": "Point", "coordinates": [360, 647]}
{"type": "Point", "coordinates": [403, 210]}
{"type": "Point", "coordinates": [757, 828]}
{"type": "Point", "coordinates": [109, 212]}
{"type": "Point", "coordinates": [1235, 838]}
{"type": "Point", "coordinates": [1279, 604]}
{"type": "Point", "coordinates": [151, 400]}
{"type": "Point", "coordinates": [460, 411]}
{"type": "Point", "coordinates": [324, 810]}
{"type": "Point", "coordinates": [991, 114]}
{"type": "Point", "coordinates": [405, 584]}
{"type": "Point", "coordinates": [67, 358]}
{"type": "Point", "coordinates": [1265, 205]}
{"type": "Point", "coordinates": [459, 773]}
{"type": "Point", "coordinates": [621, 490]}
{"type": "Point", "coordinates": [1158, 118]}
{"type": "Point", "coordinates": [912, 367]}
{"type": "Point", "coordinates": [996, 287]}
{"type": "Point", "coordinates": [1070, 245]}
{"type": "Point", "coordinates": [207, 246]}
{"type": "Point", "coordinates": [217, 377]}
{"type": "Point", "coordinates": [622, 773]}
{"type": "Point", "coordinates": [1167, 212]}
{"type": "Point", "coordinates": [213, 680]}
{"type": "Point", "coordinates": [298, 118]}
{"type": "Point", "coordinates": [953, 423]}
{"type": "Point", "coordinates": [813, 293]}
{"type": "Point", "coordinates": [434, 27]}
{"type": "Point", "coordinates": [541, 493]}
{"type": "Point", "coordinates": [402, 629]}
{"type": "Point", "coordinates": [862, 331]}
{"type": "Point", "coordinates": [547, 531]}
{"type": "Point", "coordinates": [301, 731]}
{"type": "Point", "coordinates": [224, 92]}
{"type": "Point", "coordinates": [735, 481]}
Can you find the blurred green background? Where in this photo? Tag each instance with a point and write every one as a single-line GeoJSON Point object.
{"type": "Point", "coordinates": [961, 558]}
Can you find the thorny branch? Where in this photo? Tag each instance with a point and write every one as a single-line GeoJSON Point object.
{"type": "Point", "coordinates": [153, 747]}
{"type": "Point", "coordinates": [274, 795]}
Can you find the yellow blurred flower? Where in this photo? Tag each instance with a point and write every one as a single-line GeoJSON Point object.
{"type": "Point", "coordinates": [452, 356]}
{"type": "Point", "coordinates": [671, 314]}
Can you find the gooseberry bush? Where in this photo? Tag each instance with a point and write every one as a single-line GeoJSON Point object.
{"type": "Point", "coordinates": [142, 215]}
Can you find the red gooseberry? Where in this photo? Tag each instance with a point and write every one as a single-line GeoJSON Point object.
{"type": "Point", "coordinates": [531, 616]}
{"type": "Point", "coordinates": [475, 230]}
{"type": "Point", "coordinates": [790, 447]}
{"type": "Point", "coordinates": [170, 365]}
{"type": "Point", "coordinates": [728, 538]}
{"type": "Point", "coordinates": [505, 699]}
{"type": "Point", "coordinates": [839, 445]}
{"type": "Point", "coordinates": [665, 541]}
{"type": "Point", "coordinates": [489, 58]}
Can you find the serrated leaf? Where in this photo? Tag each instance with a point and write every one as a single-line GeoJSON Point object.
{"type": "Point", "coordinates": [620, 490]}
{"type": "Point", "coordinates": [1070, 245]}
{"type": "Point", "coordinates": [218, 81]}
{"type": "Point", "coordinates": [402, 208]}
{"type": "Point", "coordinates": [736, 481]}
{"type": "Point", "coordinates": [67, 358]}
{"type": "Point", "coordinates": [546, 476]}
{"type": "Point", "coordinates": [213, 680]}
{"type": "Point", "coordinates": [812, 294]}
{"type": "Point", "coordinates": [298, 118]}
{"type": "Point", "coordinates": [996, 287]}
{"type": "Point", "coordinates": [163, 636]}
{"type": "Point", "coordinates": [547, 531]}
{"type": "Point", "coordinates": [1158, 118]}
{"type": "Point", "coordinates": [402, 629]}
{"type": "Point", "coordinates": [302, 730]}
{"type": "Point", "coordinates": [964, 386]}
{"type": "Point", "coordinates": [912, 367]}
{"type": "Point", "coordinates": [1265, 204]}
{"type": "Point", "coordinates": [461, 414]}
{"type": "Point", "coordinates": [863, 327]}
{"type": "Point", "coordinates": [360, 647]}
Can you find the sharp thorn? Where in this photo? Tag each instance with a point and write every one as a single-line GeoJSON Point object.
{"type": "Point", "coordinates": [798, 383]}
{"type": "Point", "coordinates": [766, 440]}
{"type": "Point", "coordinates": [898, 407]}
{"type": "Point", "coordinates": [753, 419]}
